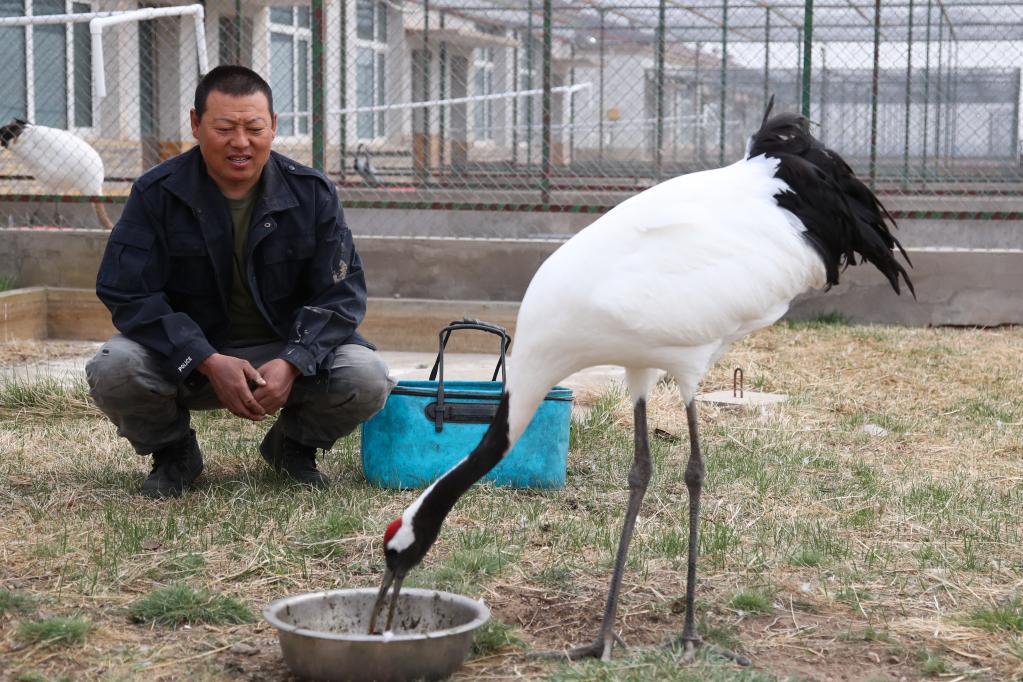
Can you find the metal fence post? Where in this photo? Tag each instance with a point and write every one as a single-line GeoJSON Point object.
{"type": "Point", "coordinates": [909, 98]}
{"type": "Point", "coordinates": [659, 93]}
{"type": "Point", "coordinates": [927, 94]}
{"type": "Point", "coordinates": [698, 106]}
{"type": "Point", "coordinates": [421, 137]}
{"type": "Point", "coordinates": [823, 95]}
{"type": "Point", "coordinates": [529, 86]}
{"type": "Point", "coordinates": [237, 52]}
{"type": "Point", "coordinates": [875, 76]}
{"type": "Point", "coordinates": [545, 148]}
{"type": "Point", "coordinates": [343, 142]}
{"type": "Point", "coordinates": [571, 104]}
{"type": "Point", "coordinates": [1015, 116]}
{"type": "Point", "coordinates": [319, 84]}
{"type": "Point", "coordinates": [515, 102]}
{"type": "Point", "coordinates": [600, 90]}
{"type": "Point", "coordinates": [807, 54]}
{"type": "Point", "coordinates": [767, 55]}
{"type": "Point", "coordinates": [442, 88]}
{"type": "Point", "coordinates": [939, 95]}
{"type": "Point", "coordinates": [724, 82]}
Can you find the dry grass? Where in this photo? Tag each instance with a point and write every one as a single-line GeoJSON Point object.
{"type": "Point", "coordinates": [894, 556]}
{"type": "Point", "coordinates": [35, 351]}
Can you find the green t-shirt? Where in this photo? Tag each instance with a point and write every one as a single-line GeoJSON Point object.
{"type": "Point", "coordinates": [248, 328]}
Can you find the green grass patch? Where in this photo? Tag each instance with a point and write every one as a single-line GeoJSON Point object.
{"type": "Point", "coordinates": [867, 634]}
{"type": "Point", "coordinates": [181, 604]}
{"type": "Point", "coordinates": [664, 664]}
{"type": "Point", "coordinates": [6, 282]}
{"type": "Point", "coordinates": [494, 636]}
{"type": "Point", "coordinates": [854, 596]}
{"type": "Point", "coordinates": [54, 631]}
{"type": "Point", "coordinates": [820, 321]}
{"type": "Point", "coordinates": [35, 676]}
{"type": "Point", "coordinates": [46, 395]}
{"type": "Point", "coordinates": [556, 576]}
{"type": "Point", "coordinates": [982, 410]}
{"type": "Point", "coordinates": [15, 602]}
{"type": "Point", "coordinates": [176, 568]}
{"type": "Point", "coordinates": [465, 568]}
{"type": "Point", "coordinates": [930, 663]}
{"type": "Point", "coordinates": [321, 539]}
{"type": "Point", "coordinates": [1002, 617]}
{"type": "Point", "coordinates": [754, 602]}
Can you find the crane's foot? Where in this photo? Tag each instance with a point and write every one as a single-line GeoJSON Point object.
{"type": "Point", "coordinates": [690, 645]}
{"type": "Point", "coordinates": [599, 648]}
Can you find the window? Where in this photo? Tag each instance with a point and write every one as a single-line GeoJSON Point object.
{"type": "Point", "coordinates": [48, 69]}
{"type": "Point", "coordinates": [370, 66]}
{"type": "Point", "coordinates": [483, 84]}
{"type": "Point", "coordinates": [290, 37]}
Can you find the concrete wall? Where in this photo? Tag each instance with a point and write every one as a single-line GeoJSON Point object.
{"type": "Point", "coordinates": [954, 286]}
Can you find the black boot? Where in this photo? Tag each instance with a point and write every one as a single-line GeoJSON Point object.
{"type": "Point", "coordinates": [291, 458]}
{"type": "Point", "coordinates": [175, 466]}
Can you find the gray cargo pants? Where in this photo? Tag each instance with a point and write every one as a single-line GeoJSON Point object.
{"type": "Point", "coordinates": [151, 409]}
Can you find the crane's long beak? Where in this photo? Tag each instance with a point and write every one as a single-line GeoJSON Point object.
{"type": "Point", "coordinates": [389, 577]}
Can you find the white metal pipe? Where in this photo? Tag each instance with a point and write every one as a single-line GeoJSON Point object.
{"type": "Point", "coordinates": [97, 24]}
{"type": "Point", "coordinates": [460, 100]}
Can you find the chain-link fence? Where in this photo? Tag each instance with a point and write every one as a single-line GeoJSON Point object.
{"type": "Point", "coordinates": [567, 105]}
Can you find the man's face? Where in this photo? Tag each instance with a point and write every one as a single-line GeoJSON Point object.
{"type": "Point", "coordinates": [234, 135]}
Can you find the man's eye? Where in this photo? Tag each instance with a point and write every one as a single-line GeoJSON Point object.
{"type": "Point", "coordinates": [255, 131]}
{"type": "Point", "coordinates": [224, 130]}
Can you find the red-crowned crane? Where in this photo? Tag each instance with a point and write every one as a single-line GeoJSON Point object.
{"type": "Point", "coordinates": [59, 160]}
{"type": "Point", "coordinates": [667, 280]}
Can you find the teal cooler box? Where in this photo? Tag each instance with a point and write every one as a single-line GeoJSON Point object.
{"type": "Point", "coordinates": [426, 427]}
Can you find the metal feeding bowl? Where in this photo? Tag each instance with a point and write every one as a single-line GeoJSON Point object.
{"type": "Point", "coordinates": [323, 634]}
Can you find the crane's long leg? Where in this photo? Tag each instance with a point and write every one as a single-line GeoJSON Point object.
{"type": "Point", "coordinates": [694, 483]}
{"type": "Point", "coordinates": [639, 478]}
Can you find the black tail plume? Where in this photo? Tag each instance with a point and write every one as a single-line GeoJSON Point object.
{"type": "Point", "coordinates": [842, 216]}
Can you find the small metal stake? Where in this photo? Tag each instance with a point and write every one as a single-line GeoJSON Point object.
{"type": "Point", "coordinates": [737, 382]}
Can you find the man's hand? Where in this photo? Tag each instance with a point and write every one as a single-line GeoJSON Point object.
{"type": "Point", "coordinates": [230, 378]}
{"type": "Point", "coordinates": [280, 377]}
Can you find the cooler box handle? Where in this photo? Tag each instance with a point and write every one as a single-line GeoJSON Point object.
{"type": "Point", "coordinates": [438, 412]}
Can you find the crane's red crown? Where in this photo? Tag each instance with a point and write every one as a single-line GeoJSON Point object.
{"type": "Point", "coordinates": [392, 529]}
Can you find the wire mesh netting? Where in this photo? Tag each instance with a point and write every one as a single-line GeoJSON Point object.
{"type": "Point", "coordinates": [567, 105]}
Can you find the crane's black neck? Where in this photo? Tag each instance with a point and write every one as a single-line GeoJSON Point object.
{"type": "Point", "coordinates": [452, 485]}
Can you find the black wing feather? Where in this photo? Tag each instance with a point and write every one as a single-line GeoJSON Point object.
{"type": "Point", "coordinates": [842, 216]}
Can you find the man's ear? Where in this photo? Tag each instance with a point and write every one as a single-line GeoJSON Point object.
{"type": "Point", "coordinates": [273, 125]}
{"type": "Point", "coordinates": [195, 123]}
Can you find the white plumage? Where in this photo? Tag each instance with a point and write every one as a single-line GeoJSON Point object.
{"type": "Point", "coordinates": [60, 161]}
{"type": "Point", "coordinates": [666, 281]}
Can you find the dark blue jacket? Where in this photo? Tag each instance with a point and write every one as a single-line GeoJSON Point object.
{"type": "Point", "coordinates": [166, 272]}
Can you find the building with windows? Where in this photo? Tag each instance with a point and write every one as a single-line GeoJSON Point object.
{"type": "Point", "coordinates": [376, 66]}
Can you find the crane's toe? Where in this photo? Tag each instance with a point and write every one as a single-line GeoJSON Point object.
{"type": "Point", "coordinates": [691, 645]}
{"type": "Point", "coordinates": [598, 648]}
